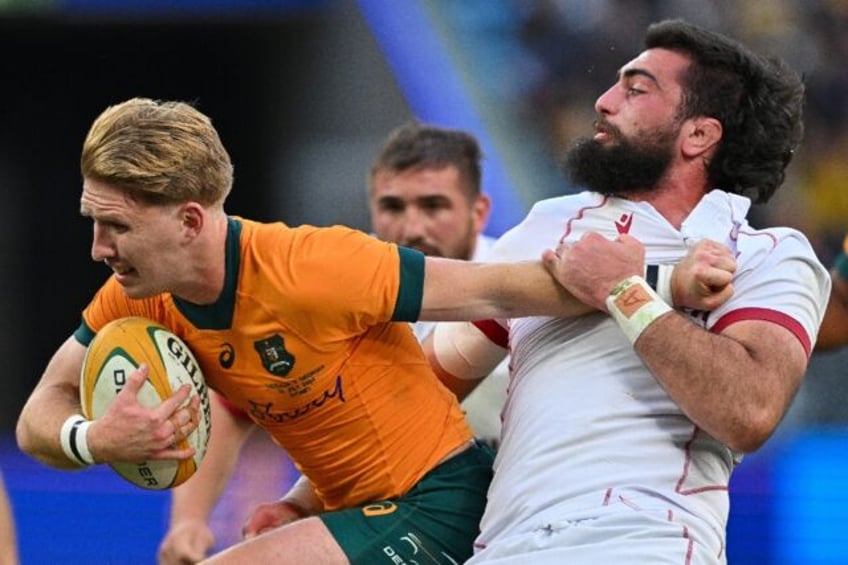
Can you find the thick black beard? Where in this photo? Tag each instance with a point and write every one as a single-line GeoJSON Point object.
{"type": "Point", "coordinates": [622, 168]}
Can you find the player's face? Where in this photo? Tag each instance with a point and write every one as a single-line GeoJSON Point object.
{"type": "Point", "coordinates": [427, 209]}
{"type": "Point", "coordinates": [645, 98]}
{"type": "Point", "coordinates": [139, 242]}
{"type": "Point", "coordinates": [638, 128]}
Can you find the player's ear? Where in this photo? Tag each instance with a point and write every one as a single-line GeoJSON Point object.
{"type": "Point", "coordinates": [702, 135]}
{"type": "Point", "coordinates": [481, 208]}
{"type": "Point", "coordinates": [192, 218]}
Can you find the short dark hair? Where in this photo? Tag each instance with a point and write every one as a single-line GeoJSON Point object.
{"type": "Point", "coordinates": [416, 145]}
{"type": "Point", "coordinates": [758, 100]}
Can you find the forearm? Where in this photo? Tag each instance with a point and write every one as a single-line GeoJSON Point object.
{"type": "Point", "coordinates": [54, 399]}
{"type": "Point", "coordinates": [728, 390]}
{"type": "Point", "coordinates": [37, 431]}
{"type": "Point", "coordinates": [459, 291]}
{"type": "Point", "coordinates": [197, 497]}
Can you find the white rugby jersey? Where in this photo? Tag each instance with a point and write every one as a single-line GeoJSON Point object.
{"type": "Point", "coordinates": [585, 422]}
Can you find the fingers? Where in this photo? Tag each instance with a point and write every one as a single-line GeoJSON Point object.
{"type": "Point", "coordinates": [719, 278]}
{"type": "Point", "coordinates": [180, 453]}
{"type": "Point", "coordinates": [136, 380]}
{"type": "Point", "coordinates": [715, 254]}
{"type": "Point", "coordinates": [184, 421]}
{"type": "Point", "coordinates": [549, 258]}
{"type": "Point", "coordinates": [718, 297]}
{"type": "Point", "coordinates": [628, 240]}
{"type": "Point", "coordinates": [183, 416]}
{"type": "Point", "coordinates": [173, 403]}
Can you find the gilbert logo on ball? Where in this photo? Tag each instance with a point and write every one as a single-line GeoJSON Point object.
{"type": "Point", "coordinates": [115, 352]}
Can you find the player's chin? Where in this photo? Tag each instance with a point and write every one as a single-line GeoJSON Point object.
{"type": "Point", "coordinates": [136, 289]}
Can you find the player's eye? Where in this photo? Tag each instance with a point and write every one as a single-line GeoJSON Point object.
{"type": "Point", "coordinates": [391, 206]}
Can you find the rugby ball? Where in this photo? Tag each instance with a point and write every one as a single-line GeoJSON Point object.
{"type": "Point", "coordinates": [115, 352]}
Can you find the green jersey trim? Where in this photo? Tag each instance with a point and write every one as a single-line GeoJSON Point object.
{"type": "Point", "coordinates": [84, 334]}
{"type": "Point", "coordinates": [411, 289]}
{"type": "Point", "coordinates": [218, 315]}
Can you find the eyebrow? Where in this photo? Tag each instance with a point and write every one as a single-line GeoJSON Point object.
{"type": "Point", "coordinates": [639, 72]}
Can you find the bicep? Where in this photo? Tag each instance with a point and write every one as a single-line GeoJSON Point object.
{"type": "Point", "coordinates": [65, 366]}
{"type": "Point", "coordinates": [778, 354]}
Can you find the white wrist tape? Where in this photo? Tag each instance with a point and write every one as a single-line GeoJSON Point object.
{"type": "Point", "coordinates": [658, 278]}
{"type": "Point", "coordinates": [74, 442]}
{"type": "Point", "coordinates": [464, 351]}
{"type": "Point", "coordinates": [634, 306]}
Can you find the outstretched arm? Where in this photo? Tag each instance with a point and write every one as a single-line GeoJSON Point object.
{"type": "Point", "coordinates": [462, 355]}
{"type": "Point", "coordinates": [461, 290]}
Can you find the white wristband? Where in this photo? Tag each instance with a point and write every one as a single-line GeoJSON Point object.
{"type": "Point", "coordinates": [73, 437]}
{"type": "Point", "coordinates": [634, 306]}
{"type": "Point", "coordinates": [658, 278]}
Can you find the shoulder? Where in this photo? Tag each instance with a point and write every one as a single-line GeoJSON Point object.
{"type": "Point", "coordinates": [773, 244]}
{"type": "Point", "coordinates": [263, 237]}
{"type": "Point", "coordinates": [782, 257]}
{"type": "Point", "coordinates": [543, 226]}
{"type": "Point", "coordinates": [568, 204]}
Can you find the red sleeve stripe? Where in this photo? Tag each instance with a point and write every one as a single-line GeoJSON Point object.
{"type": "Point", "coordinates": [496, 333]}
{"type": "Point", "coordinates": [765, 315]}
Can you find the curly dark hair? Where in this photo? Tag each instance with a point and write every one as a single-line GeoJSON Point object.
{"type": "Point", "coordinates": [758, 100]}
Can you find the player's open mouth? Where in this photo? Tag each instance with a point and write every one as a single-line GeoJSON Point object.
{"type": "Point", "coordinates": [123, 274]}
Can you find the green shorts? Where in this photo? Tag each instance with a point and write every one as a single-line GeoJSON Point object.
{"type": "Point", "coordinates": [436, 522]}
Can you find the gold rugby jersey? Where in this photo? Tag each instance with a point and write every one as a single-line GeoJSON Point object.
{"type": "Point", "coordinates": [303, 339]}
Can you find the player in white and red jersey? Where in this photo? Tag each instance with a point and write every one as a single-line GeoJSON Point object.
{"type": "Point", "coordinates": [620, 433]}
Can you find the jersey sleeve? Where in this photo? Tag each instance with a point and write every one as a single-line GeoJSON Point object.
{"type": "Point", "coordinates": [344, 276]}
{"type": "Point", "coordinates": [779, 280]}
{"type": "Point", "coordinates": [111, 303]}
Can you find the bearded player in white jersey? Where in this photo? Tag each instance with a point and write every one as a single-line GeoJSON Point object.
{"type": "Point", "coordinates": [621, 428]}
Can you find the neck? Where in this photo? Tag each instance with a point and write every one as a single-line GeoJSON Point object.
{"type": "Point", "coordinates": [207, 273]}
{"type": "Point", "coordinates": [674, 198]}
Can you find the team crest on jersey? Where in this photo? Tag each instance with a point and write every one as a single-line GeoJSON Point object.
{"type": "Point", "coordinates": [274, 356]}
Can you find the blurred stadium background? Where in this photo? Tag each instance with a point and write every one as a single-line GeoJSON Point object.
{"type": "Point", "coordinates": [303, 92]}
